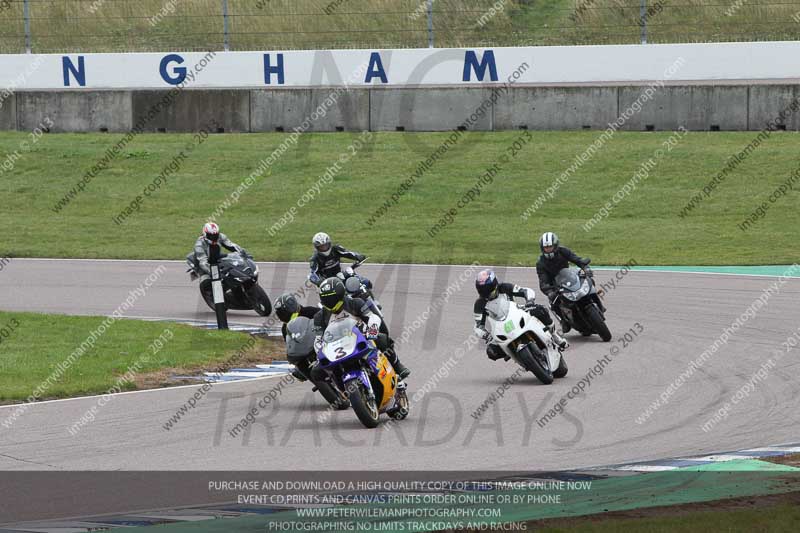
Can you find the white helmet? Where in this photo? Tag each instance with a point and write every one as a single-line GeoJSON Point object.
{"type": "Point", "coordinates": [322, 243]}
{"type": "Point", "coordinates": [548, 244]}
{"type": "Point", "coordinates": [211, 232]}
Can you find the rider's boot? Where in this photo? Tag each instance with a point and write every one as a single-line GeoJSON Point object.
{"type": "Point", "coordinates": [402, 371]}
{"type": "Point", "coordinates": [560, 341]}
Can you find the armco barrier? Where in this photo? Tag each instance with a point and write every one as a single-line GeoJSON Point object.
{"type": "Point", "coordinates": [694, 107]}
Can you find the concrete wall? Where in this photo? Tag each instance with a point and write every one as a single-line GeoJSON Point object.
{"type": "Point", "coordinates": [226, 110]}
{"type": "Point", "coordinates": [309, 110]}
{"type": "Point", "coordinates": [700, 107]}
{"type": "Point", "coordinates": [428, 109]}
{"type": "Point", "coordinates": [74, 111]}
{"type": "Point", "coordinates": [696, 107]}
{"type": "Point", "coordinates": [8, 113]}
{"type": "Point", "coordinates": [556, 108]}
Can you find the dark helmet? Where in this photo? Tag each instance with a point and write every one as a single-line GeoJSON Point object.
{"type": "Point", "coordinates": [331, 294]}
{"type": "Point", "coordinates": [486, 283]}
{"type": "Point", "coordinates": [286, 307]}
{"type": "Point", "coordinates": [548, 244]}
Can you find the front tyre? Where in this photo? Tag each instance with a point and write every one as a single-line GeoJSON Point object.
{"type": "Point", "coordinates": [531, 358]}
{"type": "Point", "coordinates": [598, 323]}
{"type": "Point", "coordinates": [562, 369]}
{"type": "Point", "coordinates": [366, 409]}
{"type": "Point", "coordinates": [259, 300]}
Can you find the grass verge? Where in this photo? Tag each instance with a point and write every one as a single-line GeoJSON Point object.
{"type": "Point", "coordinates": [38, 347]}
{"type": "Point", "coordinates": [645, 225]}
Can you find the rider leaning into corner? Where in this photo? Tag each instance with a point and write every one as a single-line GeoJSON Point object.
{"type": "Point", "coordinates": [489, 288]}
{"type": "Point", "coordinates": [287, 308]}
{"type": "Point", "coordinates": [554, 258]}
{"type": "Point", "coordinates": [202, 249]}
{"type": "Point", "coordinates": [335, 301]}
{"type": "Point", "coordinates": [326, 261]}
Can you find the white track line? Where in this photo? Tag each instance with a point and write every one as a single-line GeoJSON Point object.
{"type": "Point", "coordinates": [165, 389]}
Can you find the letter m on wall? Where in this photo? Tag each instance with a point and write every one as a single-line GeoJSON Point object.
{"type": "Point", "coordinates": [471, 63]}
{"type": "Point", "coordinates": [79, 72]}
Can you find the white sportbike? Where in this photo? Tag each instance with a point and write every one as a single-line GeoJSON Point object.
{"type": "Point", "coordinates": [524, 338]}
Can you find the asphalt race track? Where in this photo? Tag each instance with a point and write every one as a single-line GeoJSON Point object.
{"type": "Point", "coordinates": [681, 315]}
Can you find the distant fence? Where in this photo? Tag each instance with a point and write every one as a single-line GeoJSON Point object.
{"type": "Point", "coordinates": [43, 26]}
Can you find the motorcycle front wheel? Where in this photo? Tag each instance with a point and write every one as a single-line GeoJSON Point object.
{"type": "Point", "coordinates": [530, 357]}
{"type": "Point", "coordinates": [366, 409]}
{"type": "Point", "coordinates": [259, 300]}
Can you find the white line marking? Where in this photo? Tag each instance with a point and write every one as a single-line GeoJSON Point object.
{"type": "Point", "coordinates": [164, 389]}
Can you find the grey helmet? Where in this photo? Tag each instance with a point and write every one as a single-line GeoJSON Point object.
{"type": "Point", "coordinates": [322, 243]}
{"type": "Point", "coordinates": [548, 240]}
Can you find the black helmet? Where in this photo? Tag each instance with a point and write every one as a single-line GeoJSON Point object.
{"type": "Point", "coordinates": [286, 307]}
{"type": "Point", "coordinates": [486, 283]}
{"type": "Point", "coordinates": [331, 294]}
{"type": "Point", "coordinates": [549, 241]}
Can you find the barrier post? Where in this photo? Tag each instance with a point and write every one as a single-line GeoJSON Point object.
{"type": "Point", "coordinates": [216, 287]}
{"type": "Point", "coordinates": [226, 38]}
{"type": "Point", "coordinates": [430, 23]}
{"type": "Point", "coordinates": [26, 16]}
{"type": "Point", "coordinates": [643, 21]}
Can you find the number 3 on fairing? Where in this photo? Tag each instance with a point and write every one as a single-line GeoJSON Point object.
{"type": "Point", "coordinates": [340, 351]}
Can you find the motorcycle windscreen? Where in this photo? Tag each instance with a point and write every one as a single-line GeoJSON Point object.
{"type": "Point", "coordinates": [568, 279]}
{"type": "Point", "coordinates": [498, 308]}
{"type": "Point", "coordinates": [299, 337]}
{"type": "Point", "coordinates": [339, 341]}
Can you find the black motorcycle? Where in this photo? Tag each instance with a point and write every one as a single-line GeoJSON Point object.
{"type": "Point", "coordinates": [360, 287]}
{"type": "Point", "coordinates": [239, 275]}
{"type": "Point", "coordinates": [300, 351]}
{"type": "Point", "coordinates": [580, 304]}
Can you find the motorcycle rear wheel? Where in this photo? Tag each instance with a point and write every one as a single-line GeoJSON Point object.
{"type": "Point", "coordinates": [531, 361]}
{"type": "Point", "coordinates": [365, 408]}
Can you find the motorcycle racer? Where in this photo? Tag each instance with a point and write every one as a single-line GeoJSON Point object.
{"type": "Point", "coordinates": [202, 249]}
{"type": "Point", "coordinates": [335, 301]}
{"type": "Point", "coordinates": [553, 259]}
{"type": "Point", "coordinates": [489, 288]}
{"type": "Point", "coordinates": [326, 261]}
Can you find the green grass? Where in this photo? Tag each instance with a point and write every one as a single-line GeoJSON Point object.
{"type": "Point", "coordinates": [38, 343]}
{"type": "Point", "coordinates": [121, 25]}
{"type": "Point", "coordinates": [645, 226]}
{"type": "Point", "coordinates": [777, 518]}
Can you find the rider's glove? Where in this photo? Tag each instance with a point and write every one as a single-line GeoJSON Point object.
{"type": "Point", "coordinates": [360, 257]}
{"type": "Point", "coordinates": [349, 272]}
{"type": "Point", "coordinates": [588, 271]}
{"type": "Point", "coordinates": [529, 305]}
{"type": "Point", "coordinates": [482, 333]}
{"type": "Point", "coordinates": [552, 295]}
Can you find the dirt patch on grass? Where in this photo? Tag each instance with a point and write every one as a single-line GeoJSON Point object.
{"type": "Point", "coordinates": [671, 511]}
{"type": "Point", "coordinates": [788, 460]}
{"type": "Point", "coordinates": [262, 350]}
